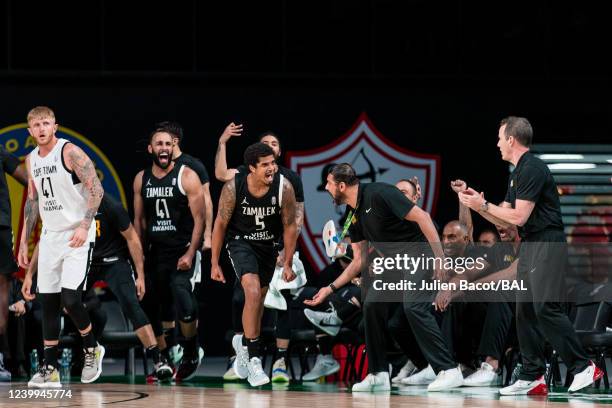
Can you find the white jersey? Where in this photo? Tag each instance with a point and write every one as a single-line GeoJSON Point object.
{"type": "Point", "coordinates": [62, 199]}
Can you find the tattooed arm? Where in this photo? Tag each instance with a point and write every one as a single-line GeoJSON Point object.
{"type": "Point", "coordinates": [290, 229]}
{"type": "Point", "coordinates": [77, 161]}
{"type": "Point", "coordinates": [195, 195]}
{"type": "Point", "coordinates": [299, 216]}
{"type": "Point", "coordinates": [227, 202]}
{"type": "Point", "coordinates": [30, 217]}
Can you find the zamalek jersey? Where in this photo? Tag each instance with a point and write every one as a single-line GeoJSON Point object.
{"type": "Point", "coordinates": [62, 200]}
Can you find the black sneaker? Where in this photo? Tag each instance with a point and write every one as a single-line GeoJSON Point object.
{"type": "Point", "coordinates": [163, 371]}
{"type": "Point", "coordinates": [188, 367]}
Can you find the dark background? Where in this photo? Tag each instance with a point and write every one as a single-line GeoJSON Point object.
{"type": "Point", "coordinates": [434, 77]}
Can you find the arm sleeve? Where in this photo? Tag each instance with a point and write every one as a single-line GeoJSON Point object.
{"type": "Point", "coordinates": [530, 184]}
{"type": "Point", "coordinates": [395, 201]}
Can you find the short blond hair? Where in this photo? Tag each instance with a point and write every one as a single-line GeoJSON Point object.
{"type": "Point", "coordinates": [40, 112]}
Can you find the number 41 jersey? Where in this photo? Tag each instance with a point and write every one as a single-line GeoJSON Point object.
{"type": "Point", "coordinates": [169, 219]}
{"type": "Point", "coordinates": [62, 201]}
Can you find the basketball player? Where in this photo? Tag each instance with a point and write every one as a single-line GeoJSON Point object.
{"type": "Point", "coordinates": [169, 216]}
{"type": "Point", "coordinates": [64, 189]}
{"type": "Point", "coordinates": [381, 213]}
{"type": "Point", "coordinates": [176, 130]}
{"type": "Point", "coordinates": [9, 164]}
{"type": "Point", "coordinates": [254, 209]}
{"type": "Point", "coordinates": [222, 173]}
{"type": "Point", "coordinates": [532, 204]}
{"type": "Point", "coordinates": [115, 236]}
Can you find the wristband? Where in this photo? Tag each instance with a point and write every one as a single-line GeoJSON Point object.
{"type": "Point", "coordinates": [333, 287]}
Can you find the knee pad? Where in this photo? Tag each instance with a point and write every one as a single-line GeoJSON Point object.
{"type": "Point", "coordinates": [71, 299]}
{"type": "Point", "coordinates": [186, 305]}
{"type": "Point", "coordinates": [50, 303]}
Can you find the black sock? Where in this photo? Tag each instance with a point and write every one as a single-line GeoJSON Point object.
{"type": "Point", "coordinates": [51, 356]}
{"type": "Point", "coordinates": [281, 353]}
{"type": "Point", "coordinates": [325, 345]}
{"type": "Point", "coordinates": [154, 353]}
{"type": "Point", "coordinates": [89, 340]}
{"type": "Point", "coordinates": [190, 346]}
{"type": "Point", "coordinates": [244, 341]}
{"type": "Point", "coordinates": [170, 336]}
{"type": "Point", "coordinates": [254, 346]}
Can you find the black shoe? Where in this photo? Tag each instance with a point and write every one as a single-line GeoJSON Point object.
{"type": "Point", "coordinates": [163, 371]}
{"type": "Point", "coordinates": [188, 367]}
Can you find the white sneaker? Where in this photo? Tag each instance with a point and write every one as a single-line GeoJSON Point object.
{"type": "Point", "coordinates": [230, 374]}
{"type": "Point", "coordinates": [485, 376]}
{"type": "Point", "coordinates": [256, 376]}
{"type": "Point", "coordinates": [406, 371]}
{"type": "Point", "coordinates": [447, 379]}
{"type": "Point", "coordinates": [374, 382]}
{"type": "Point", "coordinates": [45, 377]}
{"type": "Point", "coordinates": [242, 357]}
{"type": "Point", "coordinates": [586, 377]}
{"type": "Point", "coordinates": [92, 364]}
{"type": "Point", "coordinates": [324, 366]}
{"type": "Point", "coordinates": [329, 322]}
{"type": "Point", "coordinates": [524, 387]}
{"type": "Point", "coordinates": [424, 377]}
{"type": "Point", "coordinates": [279, 371]}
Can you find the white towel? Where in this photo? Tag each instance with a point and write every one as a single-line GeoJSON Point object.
{"type": "Point", "coordinates": [274, 299]}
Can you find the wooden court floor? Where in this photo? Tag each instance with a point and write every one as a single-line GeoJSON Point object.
{"type": "Point", "coordinates": [208, 392]}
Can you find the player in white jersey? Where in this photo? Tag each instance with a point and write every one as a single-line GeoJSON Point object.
{"type": "Point", "coordinates": [64, 190]}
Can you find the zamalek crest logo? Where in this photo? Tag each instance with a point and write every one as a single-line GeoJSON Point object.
{"type": "Point", "coordinates": [375, 159]}
{"type": "Point", "coordinates": [17, 141]}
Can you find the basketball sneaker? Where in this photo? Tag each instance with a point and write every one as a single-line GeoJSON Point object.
{"type": "Point", "coordinates": [188, 367]}
{"type": "Point", "coordinates": [92, 364]}
{"type": "Point", "coordinates": [329, 322]}
{"type": "Point", "coordinates": [406, 371]}
{"type": "Point", "coordinates": [447, 379]}
{"type": "Point", "coordinates": [524, 387]}
{"type": "Point", "coordinates": [256, 376]}
{"type": "Point", "coordinates": [279, 371]}
{"type": "Point", "coordinates": [242, 357]}
{"type": "Point", "coordinates": [46, 377]}
{"type": "Point", "coordinates": [230, 374]}
{"type": "Point", "coordinates": [424, 377]}
{"type": "Point", "coordinates": [374, 382]}
{"type": "Point", "coordinates": [324, 366]}
{"type": "Point", "coordinates": [586, 377]}
{"type": "Point", "coordinates": [485, 376]}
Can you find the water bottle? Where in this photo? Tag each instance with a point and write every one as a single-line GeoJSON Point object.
{"type": "Point", "coordinates": [515, 373]}
{"type": "Point", "coordinates": [34, 362]}
{"type": "Point", "coordinates": [64, 364]}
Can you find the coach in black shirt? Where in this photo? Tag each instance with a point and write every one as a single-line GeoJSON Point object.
{"type": "Point", "coordinates": [532, 204]}
{"type": "Point", "coordinates": [379, 213]}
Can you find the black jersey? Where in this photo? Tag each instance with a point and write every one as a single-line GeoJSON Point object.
{"type": "Point", "coordinates": [257, 220]}
{"type": "Point", "coordinates": [169, 219]}
{"type": "Point", "coordinates": [111, 220]}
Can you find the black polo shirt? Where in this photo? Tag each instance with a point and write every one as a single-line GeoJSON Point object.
{"type": "Point", "coordinates": [532, 181]}
{"type": "Point", "coordinates": [111, 220]}
{"type": "Point", "coordinates": [290, 175]}
{"type": "Point", "coordinates": [194, 164]}
{"type": "Point", "coordinates": [8, 165]}
{"type": "Point", "coordinates": [380, 213]}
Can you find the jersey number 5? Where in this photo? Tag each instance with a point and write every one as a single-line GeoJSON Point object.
{"type": "Point", "coordinates": [162, 209]}
{"type": "Point", "coordinates": [260, 222]}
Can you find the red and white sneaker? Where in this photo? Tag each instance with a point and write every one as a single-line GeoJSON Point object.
{"type": "Point", "coordinates": [586, 377]}
{"type": "Point", "coordinates": [523, 387]}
